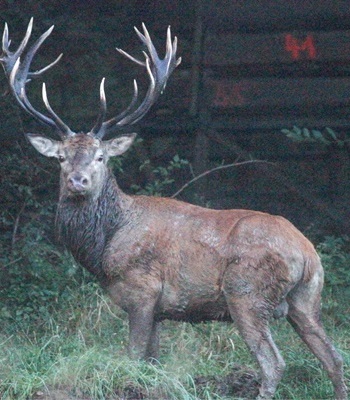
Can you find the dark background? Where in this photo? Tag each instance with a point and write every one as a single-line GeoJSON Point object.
{"type": "Point", "coordinates": [249, 70]}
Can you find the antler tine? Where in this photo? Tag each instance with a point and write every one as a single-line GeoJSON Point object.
{"type": "Point", "coordinates": [35, 47]}
{"type": "Point", "coordinates": [61, 126]}
{"type": "Point", "coordinates": [112, 122]}
{"type": "Point", "coordinates": [5, 39]}
{"type": "Point", "coordinates": [158, 73]}
{"type": "Point", "coordinates": [172, 48]}
{"type": "Point", "coordinates": [35, 74]}
{"type": "Point", "coordinates": [146, 39]}
{"type": "Point", "coordinates": [135, 60]}
{"type": "Point", "coordinates": [26, 38]}
{"type": "Point", "coordinates": [18, 74]}
{"type": "Point", "coordinates": [6, 45]}
{"type": "Point", "coordinates": [103, 110]}
{"type": "Point", "coordinates": [150, 98]}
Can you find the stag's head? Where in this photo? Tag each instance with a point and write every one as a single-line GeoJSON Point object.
{"type": "Point", "coordinates": [83, 160]}
{"type": "Point", "coordinates": [83, 156]}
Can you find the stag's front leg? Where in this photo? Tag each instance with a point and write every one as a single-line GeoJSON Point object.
{"type": "Point", "coordinates": [143, 334]}
{"type": "Point", "coordinates": [153, 344]}
{"type": "Point", "coordinates": [137, 294]}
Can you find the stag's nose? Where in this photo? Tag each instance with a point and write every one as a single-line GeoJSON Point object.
{"type": "Point", "coordinates": [78, 183]}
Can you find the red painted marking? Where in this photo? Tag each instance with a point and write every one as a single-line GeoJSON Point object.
{"type": "Point", "coordinates": [228, 95]}
{"type": "Point", "coordinates": [296, 47]}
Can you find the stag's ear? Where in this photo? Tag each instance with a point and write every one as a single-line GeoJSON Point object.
{"type": "Point", "coordinates": [119, 145]}
{"type": "Point", "coordinates": [45, 146]}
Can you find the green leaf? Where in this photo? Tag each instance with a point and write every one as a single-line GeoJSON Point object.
{"type": "Point", "coordinates": [320, 137]}
{"type": "Point", "coordinates": [332, 134]}
{"type": "Point", "coordinates": [306, 133]}
{"type": "Point", "coordinates": [285, 131]}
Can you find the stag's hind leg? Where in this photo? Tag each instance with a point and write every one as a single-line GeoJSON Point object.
{"type": "Point", "coordinates": [254, 287]}
{"type": "Point", "coordinates": [254, 329]}
{"type": "Point", "coordinates": [304, 316]}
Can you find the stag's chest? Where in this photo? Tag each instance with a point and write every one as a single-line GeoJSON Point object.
{"type": "Point", "coordinates": [130, 248]}
{"type": "Point", "coordinates": [184, 276]}
{"type": "Point", "coordinates": [84, 231]}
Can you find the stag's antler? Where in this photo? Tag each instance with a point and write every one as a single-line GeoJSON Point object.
{"type": "Point", "coordinates": [158, 71]}
{"type": "Point", "coordinates": [18, 74]}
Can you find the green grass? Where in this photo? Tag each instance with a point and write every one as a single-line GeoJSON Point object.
{"type": "Point", "coordinates": [79, 351]}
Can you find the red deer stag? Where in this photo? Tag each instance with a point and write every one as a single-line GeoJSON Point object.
{"type": "Point", "coordinates": [160, 258]}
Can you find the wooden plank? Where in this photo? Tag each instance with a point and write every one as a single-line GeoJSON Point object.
{"type": "Point", "coordinates": [279, 92]}
{"type": "Point", "coordinates": [284, 47]}
{"type": "Point", "coordinates": [251, 15]}
{"type": "Point", "coordinates": [262, 95]}
{"type": "Point", "coordinates": [181, 122]}
{"type": "Point", "coordinates": [251, 123]}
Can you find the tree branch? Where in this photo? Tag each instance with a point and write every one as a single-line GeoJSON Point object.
{"type": "Point", "coordinates": [205, 173]}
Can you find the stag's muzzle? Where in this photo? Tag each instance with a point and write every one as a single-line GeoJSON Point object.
{"type": "Point", "coordinates": [78, 184]}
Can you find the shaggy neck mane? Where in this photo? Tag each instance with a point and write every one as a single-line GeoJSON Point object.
{"type": "Point", "coordinates": [86, 225]}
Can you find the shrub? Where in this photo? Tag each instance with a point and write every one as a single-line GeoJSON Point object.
{"type": "Point", "coordinates": [335, 256]}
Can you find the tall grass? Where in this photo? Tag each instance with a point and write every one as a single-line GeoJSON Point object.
{"type": "Point", "coordinates": [83, 357]}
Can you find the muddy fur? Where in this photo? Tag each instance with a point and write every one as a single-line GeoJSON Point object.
{"type": "Point", "coordinates": [85, 226]}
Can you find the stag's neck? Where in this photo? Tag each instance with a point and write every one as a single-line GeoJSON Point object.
{"type": "Point", "coordinates": [86, 225]}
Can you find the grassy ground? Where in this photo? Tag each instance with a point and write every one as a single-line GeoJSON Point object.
{"type": "Point", "coordinates": [78, 352]}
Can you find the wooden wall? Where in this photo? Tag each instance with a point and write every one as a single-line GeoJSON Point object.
{"type": "Point", "coordinates": [250, 70]}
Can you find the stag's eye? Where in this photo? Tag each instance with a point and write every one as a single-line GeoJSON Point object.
{"type": "Point", "coordinates": [100, 158]}
{"type": "Point", "coordinates": [61, 159]}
